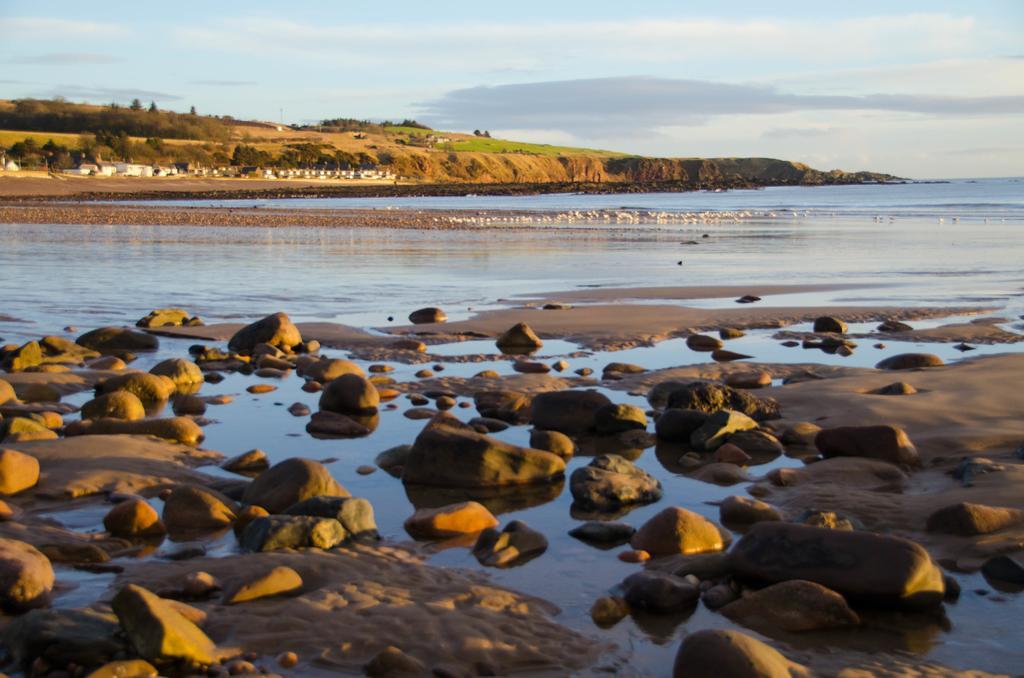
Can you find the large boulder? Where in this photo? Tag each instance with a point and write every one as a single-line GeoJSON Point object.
{"type": "Point", "coordinates": [910, 361]}
{"type": "Point", "coordinates": [25, 356]}
{"type": "Point", "coordinates": [969, 519]}
{"type": "Point", "coordinates": [569, 412]}
{"type": "Point", "coordinates": [191, 508]}
{"type": "Point", "coordinates": [291, 481]}
{"type": "Point", "coordinates": [329, 369]}
{"type": "Point", "coordinates": [86, 637]}
{"type": "Point", "coordinates": [350, 394]}
{"type": "Point", "coordinates": [659, 592]}
{"type": "Point", "coordinates": [449, 456]}
{"type": "Point", "coordinates": [612, 419]}
{"type": "Point", "coordinates": [884, 442]}
{"type": "Point", "coordinates": [717, 429]}
{"type": "Point", "coordinates": [676, 425]}
{"type": "Point", "coordinates": [177, 429]}
{"type": "Point", "coordinates": [354, 513]}
{"type": "Point", "coordinates": [610, 481]}
{"type": "Point", "coordinates": [132, 519]}
{"type": "Point", "coordinates": [118, 339]}
{"type": "Point", "coordinates": [519, 338]}
{"type": "Point", "coordinates": [703, 342]}
{"type": "Point", "coordinates": [467, 517]}
{"type": "Point", "coordinates": [116, 405]}
{"type": "Point", "coordinates": [184, 373]}
{"type": "Point", "coordinates": [149, 388]}
{"type": "Point", "coordinates": [26, 576]}
{"type": "Point", "coordinates": [676, 530]}
{"type": "Point", "coordinates": [275, 330]}
{"type": "Point", "coordinates": [18, 472]}
{"type": "Point", "coordinates": [428, 315]}
{"type": "Point", "coordinates": [711, 397]}
{"type": "Point", "coordinates": [510, 406]}
{"type": "Point", "coordinates": [269, 533]}
{"type": "Point", "coordinates": [158, 631]}
{"type": "Point", "coordinates": [828, 323]}
{"type": "Point", "coordinates": [792, 606]}
{"type": "Point", "coordinates": [715, 653]}
{"type": "Point", "coordinates": [857, 564]}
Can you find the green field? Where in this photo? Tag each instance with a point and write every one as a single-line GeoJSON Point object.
{"type": "Point", "coordinates": [486, 145]}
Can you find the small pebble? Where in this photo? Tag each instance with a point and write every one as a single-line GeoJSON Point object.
{"type": "Point", "coordinates": [365, 470]}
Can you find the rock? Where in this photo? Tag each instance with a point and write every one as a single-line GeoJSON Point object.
{"type": "Point", "coordinates": [178, 429]}
{"type": "Point", "coordinates": [158, 631]}
{"type": "Point", "coordinates": [392, 460]}
{"type": "Point", "coordinates": [253, 461]}
{"type": "Point", "coordinates": [710, 398]}
{"type": "Point", "coordinates": [702, 342]}
{"type": "Point", "coordinates": [737, 510]}
{"type": "Point", "coordinates": [299, 410]}
{"type": "Point", "coordinates": [718, 427]}
{"type": "Point", "coordinates": [748, 299]}
{"type": "Point", "coordinates": [85, 637]}
{"type": "Point", "coordinates": [749, 380]}
{"type": "Point", "coordinates": [26, 576]}
{"type": "Point", "coordinates": [829, 520]}
{"type": "Point", "coordinates": [350, 394]}
{"type": "Point", "coordinates": [194, 508]}
{"type": "Point", "coordinates": [409, 345]}
{"type": "Point", "coordinates": [279, 581]}
{"type": "Point", "coordinates": [332, 424]}
{"type": "Point", "coordinates": [149, 388]}
{"type": "Point", "coordinates": [447, 456]}
{"type": "Point", "coordinates": [25, 356]}
{"type": "Point", "coordinates": [163, 317]}
{"type": "Point", "coordinates": [569, 412]}
{"type": "Point", "coordinates": [519, 339]}
{"type": "Point", "coordinates": [117, 339]}
{"type": "Point", "coordinates": [525, 367]}
{"type": "Point", "coordinates": [291, 481]}
{"type": "Point", "coordinates": [425, 316]}
{"type": "Point", "coordinates": [1007, 569]}
{"type": "Point", "coordinates": [887, 443]}
{"type": "Point", "coordinates": [896, 388]}
{"type": "Point", "coordinates": [801, 433]}
{"type": "Point", "coordinates": [246, 516]}
{"type": "Point", "coordinates": [715, 653]}
{"type": "Point", "coordinates": [276, 330]}
{"type": "Point", "coordinates": [722, 355]}
{"type": "Point", "coordinates": [125, 668]}
{"type": "Point", "coordinates": [287, 660]}
{"type": "Point", "coordinates": [856, 564]}
{"type": "Point", "coordinates": [450, 521]}
{"type": "Point", "coordinates": [612, 419]}
{"type": "Point", "coordinates": [554, 442]}
{"type": "Point", "coordinates": [513, 545]}
{"type": "Point", "coordinates": [23, 429]}
{"type": "Point", "coordinates": [185, 405]}
{"type": "Point", "coordinates": [827, 323]}
{"type": "Point", "coordinates": [623, 368]}
{"type": "Point", "coordinates": [108, 362]}
{"type": "Point", "coordinates": [391, 661]}
{"type": "Point", "coordinates": [18, 472]}
{"type": "Point", "coordinates": [7, 394]}
{"type": "Point", "coordinates": [969, 519]}
{"type": "Point", "coordinates": [609, 482]}
{"type": "Point", "coordinates": [184, 373]}
{"type": "Point", "coordinates": [269, 533]}
{"type": "Point", "coordinates": [910, 361]}
{"type": "Point", "coordinates": [329, 369]}
{"type": "Point", "coordinates": [354, 513]}
{"type": "Point", "coordinates": [133, 519]}
{"type": "Point", "coordinates": [489, 425]}
{"type": "Point", "coordinates": [731, 454]}
{"type": "Point", "coordinates": [676, 426]}
{"type": "Point", "coordinates": [608, 611]}
{"type": "Point", "coordinates": [659, 592]}
{"type": "Point", "coordinates": [792, 606]}
{"type": "Point", "coordinates": [676, 530]}
{"type": "Point", "coordinates": [602, 532]}
{"type": "Point", "coordinates": [894, 326]}
{"type": "Point", "coordinates": [720, 474]}
{"type": "Point", "coordinates": [509, 406]}
{"type": "Point", "coordinates": [256, 389]}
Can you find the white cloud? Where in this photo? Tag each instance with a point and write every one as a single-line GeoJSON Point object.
{"type": "Point", "coordinates": [44, 28]}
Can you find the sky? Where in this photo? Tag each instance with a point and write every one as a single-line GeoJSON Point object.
{"type": "Point", "coordinates": [918, 89]}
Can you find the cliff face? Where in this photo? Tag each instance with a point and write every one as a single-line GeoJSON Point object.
{"type": "Point", "coordinates": [684, 172]}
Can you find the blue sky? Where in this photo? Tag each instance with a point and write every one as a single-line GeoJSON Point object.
{"type": "Point", "coordinates": [917, 89]}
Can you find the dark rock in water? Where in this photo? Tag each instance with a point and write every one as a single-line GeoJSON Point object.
{"type": "Point", "coordinates": [790, 343]}
{"type": "Point", "coordinates": [736, 510]}
{"type": "Point", "coordinates": [860, 565]}
{"type": "Point", "coordinates": [963, 348]}
{"type": "Point", "coordinates": [115, 339]}
{"type": "Point", "coordinates": [552, 441]}
{"type": "Point", "coordinates": [425, 316]}
{"type": "Point", "coordinates": [275, 330]}
{"type": "Point", "coordinates": [510, 406]}
{"type": "Point", "coordinates": [290, 482]}
{"type": "Point", "coordinates": [354, 513]}
{"type": "Point", "coordinates": [623, 368]}
{"type": "Point", "coordinates": [60, 637]}
{"type": "Point", "coordinates": [888, 443]}
{"type": "Point", "coordinates": [717, 429]}
{"type": "Point", "coordinates": [1006, 569]}
{"type": "Point", "coordinates": [556, 306]}
{"type": "Point", "coordinates": [971, 467]}
{"type": "Point", "coordinates": [910, 361]}
{"type": "Point", "coordinates": [514, 545]}
{"type": "Point", "coordinates": [603, 532]}
{"type": "Point", "coordinates": [718, 596]}
{"type": "Point", "coordinates": [253, 461]}
{"type": "Point", "coordinates": [676, 425]}
{"type": "Point", "coordinates": [195, 508]}
{"type": "Point", "coordinates": [393, 459]}
{"type": "Point", "coordinates": [569, 412]}
{"type": "Point", "coordinates": [350, 394]}
{"type": "Point", "coordinates": [723, 356]}
{"type": "Point", "coordinates": [792, 606]}
{"type": "Point", "coordinates": [518, 339]}
{"type": "Point", "coordinates": [702, 342]}
{"type": "Point", "coordinates": [827, 323]}
{"type": "Point", "coordinates": [709, 397]}
{"type": "Point", "coordinates": [659, 592]}
{"type": "Point", "coordinates": [894, 326]}
{"type": "Point", "coordinates": [714, 653]}
{"type": "Point", "coordinates": [969, 519]}
{"type": "Point", "coordinates": [748, 299]}
{"type": "Point", "coordinates": [610, 481]}
{"type": "Point", "coordinates": [731, 333]}
{"type": "Point", "coordinates": [333, 425]}
{"type": "Point", "coordinates": [268, 533]}
{"type": "Point", "coordinates": [612, 419]}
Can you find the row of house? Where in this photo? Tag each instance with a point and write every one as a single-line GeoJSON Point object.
{"type": "Point", "coordinates": [126, 169]}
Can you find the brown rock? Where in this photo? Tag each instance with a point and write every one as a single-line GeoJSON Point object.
{"type": "Point", "coordinates": [737, 510]}
{"type": "Point", "coordinates": [194, 508]}
{"type": "Point", "coordinates": [973, 519]}
{"type": "Point", "coordinates": [519, 338]}
{"type": "Point", "coordinates": [133, 518]}
{"type": "Point", "coordinates": [554, 442]}
{"type": "Point", "coordinates": [714, 653]}
{"type": "Point", "coordinates": [676, 530]}
{"type": "Point", "coordinates": [702, 342]}
{"type": "Point", "coordinates": [18, 472]}
{"type": "Point", "coordinates": [290, 482]}
{"type": "Point", "coordinates": [449, 521]}
{"type": "Point", "coordinates": [910, 361]}
{"type": "Point", "coordinates": [350, 394]}
{"type": "Point", "coordinates": [278, 581]}
{"type": "Point", "coordinates": [428, 315]}
{"type": "Point", "coordinates": [731, 454]}
{"type": "Point", "coordinates": [749, 380]}
{"type": "Point", "coordinates": [276, 330]}
{"type": "Point", "coordinates": [26, 576]}
{"type": "Point", "coordinates": [888, 443]}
